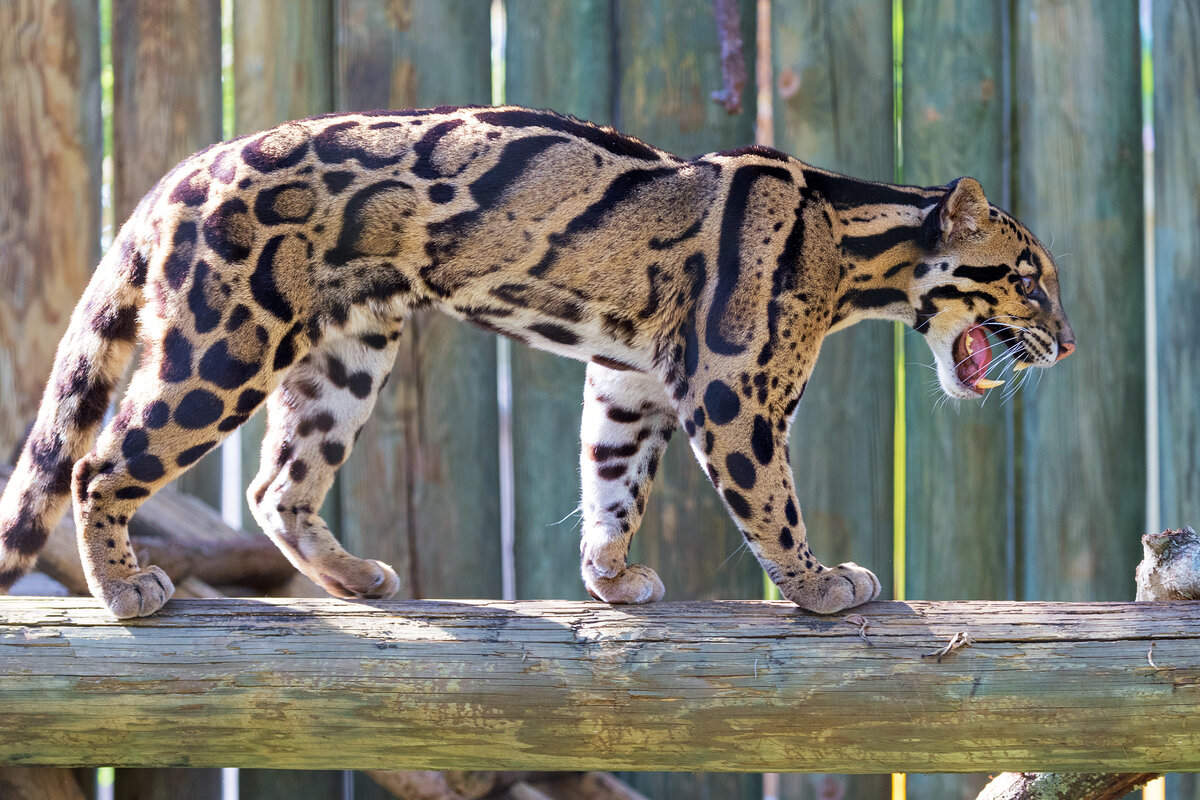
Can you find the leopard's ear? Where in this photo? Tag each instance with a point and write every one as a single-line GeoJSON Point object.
{"type": "Point", "coordinates": [963, 211]}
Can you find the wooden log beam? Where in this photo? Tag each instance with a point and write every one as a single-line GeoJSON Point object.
{"type": "Point", "coordinates": [568, 686]}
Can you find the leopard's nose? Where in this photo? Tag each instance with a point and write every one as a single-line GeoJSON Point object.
{"type": "Point", "coordinates": [1065, 349]}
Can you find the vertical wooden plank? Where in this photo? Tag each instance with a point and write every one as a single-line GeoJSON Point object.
{"type": "Point", "coordinates": [559, 56]}
{"type": "Point", "coordinates": [1079, 184]}
{"type": "Point", "coordinates": [833, 108]}
{"type": "Point", "coordinates": [958, 463]}
{"type": "Point", "coordinates": [283, 69]}
{"type": "Point", "coordinates": [956, 459]}
{"type": "Point", "coordinates": [1176, 42]}
{"type": "Point", "coordinates": [166, 105]}
{"type": "Point", "coordinates": [1177, 248]}
{"type": "Point", "coordinates": [50, 152]}
{"type": "Point", "coordinates": [421, 490]}
{"type": "Point", "coordinates": [668, 63]}
{"type": "Point", "coordinates": [1176, 28]}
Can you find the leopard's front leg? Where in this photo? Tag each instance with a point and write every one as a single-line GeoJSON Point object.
{"type": "Point", "coordinates": [744, 451]}
{"type": "Point", "coordinates": [627, 420]}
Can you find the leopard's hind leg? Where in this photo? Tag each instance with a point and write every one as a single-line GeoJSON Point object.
{"type": "Point", "coordinates": [313, 419]}
{"type": "Point", "coordinates": [627, 420]}
{"type": "Point", "coordinates": [171, 416]}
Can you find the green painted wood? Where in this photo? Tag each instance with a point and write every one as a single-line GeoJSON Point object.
{"type": "Point", "coordinates": [50, 153]}
{"type": "Point", "coordinates": [832, 65]}
{"type": "Point", "coordinates": [1176, 27]}
{"type": "Point", "coordinates": [958, 465]}
{"type": "Point", "coordinates": [1177, 248]}
{"type": "Point", "coordinates": [166, 105]}
{"type": "Point", "coordinates": [1079, 184]}
{"type": "Point", "coordinates": [557, 55]}
{"type": "Point", "coordinates": [668, 63]}
{"type": "Point", "coordinates": [421, 489]}
{"type": "Point", "coordinates": [283, 69]}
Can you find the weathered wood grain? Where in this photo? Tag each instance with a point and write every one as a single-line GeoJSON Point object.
{"type": "Point", "coordinates": [557, 55]}
{"type": "Point", "coordinates": [50, 151]}
{"type": "Point", "coordinates": [557, 685]}
{"type": "Point", "coordinates": [833, 107]}
{"type": "Point", "coordinates": [421, 490]}
{"type": "Point", "coordinates": [1079, 185]}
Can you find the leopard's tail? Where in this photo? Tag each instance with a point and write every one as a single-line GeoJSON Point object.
{"type": "Point", "coordinates": [91, 358]}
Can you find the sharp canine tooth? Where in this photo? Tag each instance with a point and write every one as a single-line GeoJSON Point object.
{"type": "Point", "coordinates": [986, 383]}
{"type": "Point", "coordinates": [1020, 365]}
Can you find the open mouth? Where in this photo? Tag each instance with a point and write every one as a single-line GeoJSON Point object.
{"type": "Point", "coordinates": [972, 357]}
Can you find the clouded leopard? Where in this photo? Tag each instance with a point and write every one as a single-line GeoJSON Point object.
{"type": "Point", "coordinates": [279, 269]}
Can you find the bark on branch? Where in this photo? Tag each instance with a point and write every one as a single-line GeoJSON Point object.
{"type": "Point", "coordinates": [1170, 570]}
{"type": "Point", "coordinates": [733, 58]}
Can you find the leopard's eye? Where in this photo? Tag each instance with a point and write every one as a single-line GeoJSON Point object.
{"type": "Point", "coordinates": [1027, 286]}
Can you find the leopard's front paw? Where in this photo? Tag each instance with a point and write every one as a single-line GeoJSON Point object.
{"type": "Point", "coordinates": [637, 583]}
{"type": "Point", "coordinates": [368, 580]}
{"type": "Point", "coordinates": [832, 590]}
{"type": "Point", "coordinates": [137, 595]}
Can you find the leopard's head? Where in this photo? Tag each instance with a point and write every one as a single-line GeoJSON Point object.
{"type": "Point", "coordinates": [985, 274]}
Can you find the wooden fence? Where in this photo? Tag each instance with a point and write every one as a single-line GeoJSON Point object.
{"type": "Point", "coordinates": [1040, 497]}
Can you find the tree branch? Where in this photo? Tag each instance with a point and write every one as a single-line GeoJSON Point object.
{"type": "Point", "coordinates": [1170, 570]}
{"type": "Point", "coordinates": [733, 59]}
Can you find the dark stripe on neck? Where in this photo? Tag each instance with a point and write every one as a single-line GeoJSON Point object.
{"type": "Point", "coordinates": [872, 298]}
{"type": "Point", "coordinates": [863, 248]}
{"type": "Point", "coordinates": [844, 192]}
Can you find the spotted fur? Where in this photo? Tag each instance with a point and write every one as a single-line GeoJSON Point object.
{"type": "Point", "coordinates": [279, 268]}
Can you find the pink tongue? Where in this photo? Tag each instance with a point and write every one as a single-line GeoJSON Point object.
{"type": "Point", "coordinates": [981, 354]}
